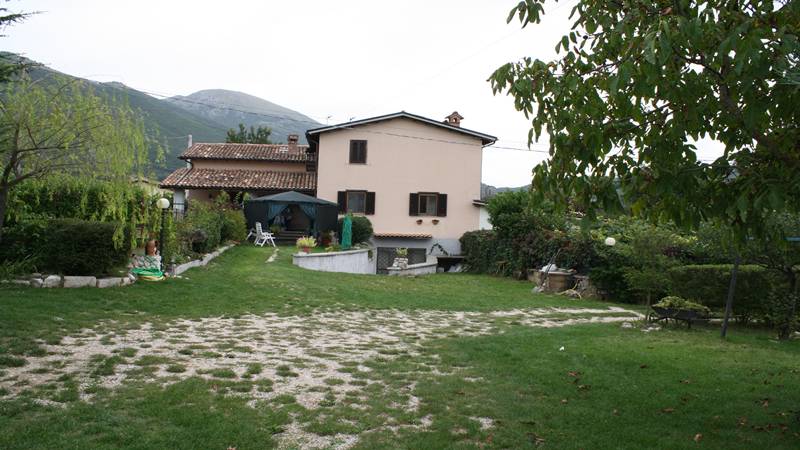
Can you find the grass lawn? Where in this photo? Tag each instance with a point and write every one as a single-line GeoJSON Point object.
{"type": "Point", "coordinates": [251, 354]}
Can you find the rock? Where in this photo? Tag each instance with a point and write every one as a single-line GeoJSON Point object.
{"type": "Point", "coordinates": [109, 282]}
{"type": "Point", "coordinates": [36, 275]}
{"type": "Point", "coordinates": [37, 282]}
{"type": "Point", "coordinates": [77, 282]}
{"type": "Point", "coordinates": [52, 281]}
{"type": "Point", "coordinates": [626, 325]}
{"type": "Point", "coordinates": [126, 281]}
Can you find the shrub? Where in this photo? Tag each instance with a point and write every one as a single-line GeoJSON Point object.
{"type": "Point", "coordinates": [362, 229]}
{"type": "Point", "coordinates": [672, 302]}
{"type": "Point", "coordinates": [779, 313]}
{"type": "Point", "coordinates": [67, 246]}
{"type": "Point", "coordinates": [479, 250]}
{"type": "Point", "coordinates": [234, 225]}
{"type": "Point", "coordinates": [708, 285]}
{"type": "Point", "coordinates": [201, 228]}
{"type": "Point", "coordinates": [306, 242]}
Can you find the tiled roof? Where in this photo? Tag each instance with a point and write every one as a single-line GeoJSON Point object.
{"type": "Point", "coordinates": [403, 235]}
{"type": "Point", "coordinates": [248, 152]}
{"type": "Point", "coordinates": [186, 178]}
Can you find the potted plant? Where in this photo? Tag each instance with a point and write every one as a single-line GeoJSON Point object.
{"type": "Point", "coordinates": [306, 243]}
{"type": "Point", "coordinates": [401, 258]}
{"type": "Point", "coordinates": [326, 238]}
{"type": "Point", "coordinates": [274, 229]}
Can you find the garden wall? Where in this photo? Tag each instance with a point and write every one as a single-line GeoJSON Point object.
{"type": "Point", "coordinates": [360, 261]}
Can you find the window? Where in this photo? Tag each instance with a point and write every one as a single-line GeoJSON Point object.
{"type": "Point", "coordinates": [356, 202]}
{"type": "Point", "coordinates": [427, 204]}
{"type": "Point", "coordinates": [358, 152]}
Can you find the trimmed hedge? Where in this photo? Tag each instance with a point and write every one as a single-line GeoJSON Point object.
{"type": "Point", "coordinates": [66, 246]}
{"type": "Point", "coordinates": [362, 229]}
{"type": "Point", "coordinates": [708, 285]}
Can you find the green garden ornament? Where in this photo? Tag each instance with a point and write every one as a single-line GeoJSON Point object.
{"type": "Point", "coordinates": [347, 232]}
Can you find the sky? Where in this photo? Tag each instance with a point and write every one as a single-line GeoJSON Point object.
{"type": "Point", "coordinates": [330, 60]}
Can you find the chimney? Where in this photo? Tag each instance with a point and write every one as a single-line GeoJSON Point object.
{"type": "Point", "coordinates": [189, 144]}
{"type": "Point", "coordinates": [292, 138]}
{"type": "Point", "coordinates": [454, 119]}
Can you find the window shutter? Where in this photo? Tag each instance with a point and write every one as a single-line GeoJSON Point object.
{"type": "Point", "coordinates": [370, 207]}
{"type": "Point", "coordinates": [442, 205]}
{"type": "Point", "coordinates": [413, 205]}
{"type": "Point", "coordinates": [342, 200]}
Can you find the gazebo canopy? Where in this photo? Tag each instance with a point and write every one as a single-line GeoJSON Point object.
{"type": "Point", "coordinates": [293, 197]}
{"type": "Point", "coordinates": [322, 213]}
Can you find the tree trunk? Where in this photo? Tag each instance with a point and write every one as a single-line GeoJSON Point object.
{"type": "Point", "coordinates": [3, 200]}
{"type": "Point", "coordinates": [729, 301]}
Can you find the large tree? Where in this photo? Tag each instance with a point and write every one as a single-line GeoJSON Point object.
{"type": "Point", "coordinates": [636, 88]}
{"type": "Point", "coordinates": [254, 135]}
{"type": "Point", "coordinates": [10, 64]}
{"type": "Point", "coordinates": [57, 126]}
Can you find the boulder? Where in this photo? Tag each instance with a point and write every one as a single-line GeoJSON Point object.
{"type": "Point", "coordinates": [52, 281]}
{"type": "Point", "coordinates": [109, 282]}
{"type": "Point", "coordinates": [37, 282]}
{"type": "Point", "coordinates": [77, 282]}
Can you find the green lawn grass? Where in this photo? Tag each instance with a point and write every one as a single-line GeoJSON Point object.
{"type": "Point", "coordinates": [609, 388]}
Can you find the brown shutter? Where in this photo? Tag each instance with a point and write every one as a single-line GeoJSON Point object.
{"type": "Point", "coordinates": [370, 207]}
{"type": "Point", "coordinates": [342, 200]}
{"type": "Point", "coordinates": [363, 152]}
{"type": "Point", "coordinates": [442, 205]}
{"type": "Point", "coordinates": [353, 151]}
{"type": "Point", "coordinates": [413, 205]}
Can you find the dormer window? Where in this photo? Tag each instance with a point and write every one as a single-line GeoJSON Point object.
{"type": "Point", "coordinates": [358, 152]}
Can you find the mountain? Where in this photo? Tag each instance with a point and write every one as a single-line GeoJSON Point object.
{"type": "Point", "coordinates": [489, 191]}
{"type": "Point", "coordinates": [230, 108]}
{"type": "Point", "coordinates": [206, 115]}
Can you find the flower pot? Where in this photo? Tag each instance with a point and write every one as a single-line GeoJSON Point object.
{"type": "Point", "coordinates": [306, 249]}
{"type": "Point", "coordinates": [402, 263]}
{"type": "Point", "coordinates": [419, 221]}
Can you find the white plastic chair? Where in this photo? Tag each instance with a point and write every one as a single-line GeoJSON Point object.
{"type": "Point", "coordinates": [262, 237]}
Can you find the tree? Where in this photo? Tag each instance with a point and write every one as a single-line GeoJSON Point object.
{"type": "Point", "coordinates": [254, 135]}
{"type": "Point", "coordinates": [638, 83]}
{"type": "Point", "coordinates": [11, 65]}
{"type": "Point", "coordinates": [54, 126]}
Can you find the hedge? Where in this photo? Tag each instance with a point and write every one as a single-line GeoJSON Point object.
{"type": "Point", "coordinates": [66, 246]}
{"type": "Point", "coordinates": [362, 229]}
{"type": "Point", "coordinates": [708, 285]}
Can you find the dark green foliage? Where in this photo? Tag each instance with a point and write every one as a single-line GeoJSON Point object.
{"type": "Point", "coordinates": [480, 251]}
{"type": "Point", "coordinates": [780, 312]}
{"type": "Point", "coordinates": [708, 285]}
{"type": "Point", "coordinates": [234, 225]}
{"type": "Point", "coordinates": [67, 246]}
{"type": "Point", "coordinates": [96, 200]}
{"type": "Point", "coordinates": [201, 229]}
{"type": "Point", "coordinates": [362, 229]}
{"type": "Point", "coordinates": [636, 84]}
{"type": "Point", "coordinates": [254, 135]}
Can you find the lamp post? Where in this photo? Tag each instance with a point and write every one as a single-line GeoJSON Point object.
{"type": "Point", "coordinates": [162, 203]}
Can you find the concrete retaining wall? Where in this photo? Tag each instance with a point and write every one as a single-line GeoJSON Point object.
{"type": "Point", "coordinates": [350, 261]}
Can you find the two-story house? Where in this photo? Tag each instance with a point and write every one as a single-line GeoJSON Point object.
{"type": "Point", "coordinates": [258, 169]}
{"type": "Point", "coordinates": [415, 178]}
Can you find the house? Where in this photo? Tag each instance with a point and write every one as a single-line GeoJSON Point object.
{"type": "Point", "coordinates": [256, 169]}
{"type": "Point", "coordinates": [415, 178]}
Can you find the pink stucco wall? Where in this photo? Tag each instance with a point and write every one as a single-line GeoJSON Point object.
{"type": "Point", "coordinates": [445, 161]}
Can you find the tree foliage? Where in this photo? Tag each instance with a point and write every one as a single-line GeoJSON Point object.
{"type": "Point", "coordinates": [10, 65]}
{"type": "Point", "coordinates": [52, 126]}
{"type": "Point", "coordinates": [638, 83]}
{"type": "Point", "coordinates": [254, 135]}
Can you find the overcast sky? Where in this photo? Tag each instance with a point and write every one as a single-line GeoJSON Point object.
{"type": "Point", "coordinates": [349, 58]}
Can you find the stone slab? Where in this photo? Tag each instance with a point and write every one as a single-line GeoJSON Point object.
{"type": "Point", "coordinates": [78, 282]}
{"type": "Point", "coordinates": [109, 282]}
{"type": "Point", "coordinates": [52, 281]}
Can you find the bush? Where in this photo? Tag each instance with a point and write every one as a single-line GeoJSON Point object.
{"type": "Point", "coordinates": [362, 229]}
{"type": "Point", "coordinates": [66, 246]}
{"type": "Point", "coordinates": [708, 285]}
{"type": "Point", "coordinates": [201, 229]}
{"type": "Point", "coordinates": [480, 251]}
{"type": "Point", "coordinates": [234, 225]}
{"type": "Point", "coordinates": [673, 302]}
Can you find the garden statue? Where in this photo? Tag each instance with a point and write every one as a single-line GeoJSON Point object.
{"type": "Point", "coordinates": [347, 232]}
